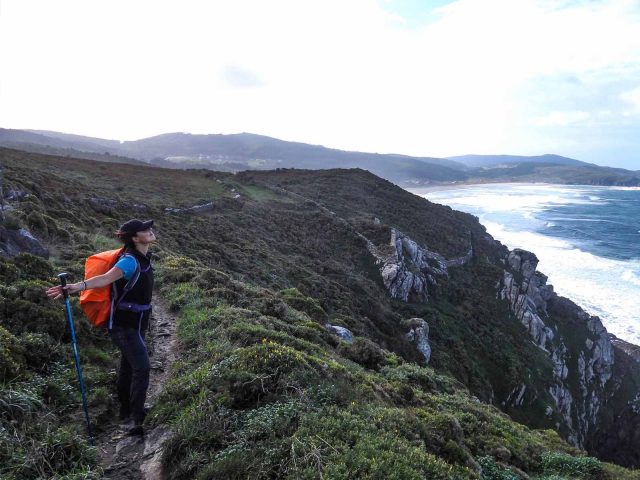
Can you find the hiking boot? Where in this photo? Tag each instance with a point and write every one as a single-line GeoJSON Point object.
{"type": "Point", "coordinates": [125, 413]}
{"type": "Point", "coordinates": [136, 431]}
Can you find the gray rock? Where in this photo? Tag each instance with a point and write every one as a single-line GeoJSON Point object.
{"type": "Point", "coordinates": [13, 242]}
{"type": "Point", "coordinates": [528, 296]}
{"type": "Point", "coordinates": [419, 334]}
{"type": "Point", "coordinates": [342, 332]}
{"type": "Point", "coordinates": [409, 271]}
{"type": "Point", "coordinates": [205, 207]}
{"type": "Point", "coordinates": [15, 194]}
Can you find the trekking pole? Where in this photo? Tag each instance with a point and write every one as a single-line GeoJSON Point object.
{"type": "Point", "coordinates": [63, 282]}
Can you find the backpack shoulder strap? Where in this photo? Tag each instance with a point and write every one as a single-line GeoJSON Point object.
{"type": "Point", "coordinates": [127, 288]}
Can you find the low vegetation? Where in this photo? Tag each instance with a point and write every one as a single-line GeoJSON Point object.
{"type": "Point", "coordinates": [262, 389]}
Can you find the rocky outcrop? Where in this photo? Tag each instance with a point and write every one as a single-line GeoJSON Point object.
{"type": "Point", "coordinates": [582, 356]}
{"type": "Point", "coordinates": [343, 333]}
{"type": "Point", "coordinates": [15, 194]}
{"type": "Point", "coordinates": [205, 207]}
{"type": "Point", "coordinates": [13, 242]}
{"type": "Point", "coordinates": [418, 334]}
{"type": "Point", "coordinates": [528, 297]}
{"type": "Point", "coordinates": [629, 348]}
{"type": "Point", "coordinates": [109, 206]}
{"type": "Point", "coordinates": [411, 272]}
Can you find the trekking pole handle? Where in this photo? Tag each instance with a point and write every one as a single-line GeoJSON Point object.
{"type": "Point", "coordinates": [63, 282]}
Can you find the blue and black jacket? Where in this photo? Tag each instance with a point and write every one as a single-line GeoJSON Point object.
{"type": "Point", "coordinates": [134, 308]}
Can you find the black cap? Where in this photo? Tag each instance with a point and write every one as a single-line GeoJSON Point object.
{"type": "Point", "coordinates": [134, 226]}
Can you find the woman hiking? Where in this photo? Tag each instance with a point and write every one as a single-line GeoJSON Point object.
{"type": "Point", "coordinates": [130, 319]}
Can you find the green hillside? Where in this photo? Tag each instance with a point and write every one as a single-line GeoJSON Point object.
{"type": "Point", "coordinates": [262, 388]}
{"type": "Point", "coordinates": [246, 151]}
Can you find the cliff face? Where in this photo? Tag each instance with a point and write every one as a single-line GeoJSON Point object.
{"type": "Point", "coordinates": [411, 272]}
{"type": "Point", "coordinates": [585, 388]}
{"type": "Point", "coordinates": [493, 322]}
{"type": "Point", "coordinates": [582, 357]}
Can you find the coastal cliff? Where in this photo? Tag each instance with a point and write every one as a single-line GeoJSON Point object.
{"type": "Point", "coordinates": [587, 365]}
{"type": "Point", "coordinates": [328, 320]}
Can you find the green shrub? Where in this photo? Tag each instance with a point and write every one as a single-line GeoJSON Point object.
{"type": "Point", "coordinates": [24, 307]}
{"type": "Point", "coordinates": [33, 267]}
{"type": "Point", "coordinates": [210, 278]}
{"type": "Point", "coordinates": [178, 269]}
{"type": "Point", "coordinates": [36, 222]}
{"type": "Point", "coordinates": [277, 419]}
{"type": "Point", "coordinates": [364, 352]}
{"type": "Point", "coordinates": [308, 305]}
{"type": "Point", "coordinates": [58, 451]}
{"type": "Point", "coordinates": [352, 446]}
{"type": "Point", "coordinates": [11, 355]}
{"type": "Point", "coordinates": [9, 273]}
{"type": "Point", "coordinates": [18, 404]}
{"type": "Point", "coordinates": [492, 471]}
{"type": "Point", "coordinates": [422, 377]}
{"type": "Point", "coordinates": [184, 294]}
{"type": "Point", "coordinates": [40, 351]}
{"type": "Point", "coordinates": [11, 221]}
{"type": "Point", "coordinates": [201, 429]}
{"type": "Point", "coordinates": [563, 464]}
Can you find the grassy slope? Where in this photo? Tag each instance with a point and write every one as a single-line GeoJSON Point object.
{"type": "Point", "coordinates": [262, 390]}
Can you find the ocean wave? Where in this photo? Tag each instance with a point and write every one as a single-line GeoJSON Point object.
{"type": "Point", "coordinates": [631, 276]}
{"type": "Point", "coordinates": [604, 287]}
{"type": "Point", "coordinates": [521, 216]}
{"type": "Point", "coordinates": [528, 199]}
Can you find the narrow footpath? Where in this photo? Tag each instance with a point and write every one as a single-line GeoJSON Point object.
{"type": "Point", "coordinates": [128, 458]}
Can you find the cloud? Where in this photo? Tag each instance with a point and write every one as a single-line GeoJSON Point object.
{"type": "Point", "coordinates": [632, 98]}
{"type": "Point", "coordinates": [562, 119]}
{"type": "Point", "coordinates": [472, 77]}
{"type": "Point", "coordinates": [237, 77]}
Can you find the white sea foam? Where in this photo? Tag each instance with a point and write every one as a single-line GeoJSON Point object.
{"type": "Point", "coordinates": [527, 199]}
{"type": "Point", "coordinates": [604, 287]}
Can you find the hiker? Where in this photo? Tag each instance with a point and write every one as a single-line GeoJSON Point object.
{"type": "Point", "coordinates": [129, 321]}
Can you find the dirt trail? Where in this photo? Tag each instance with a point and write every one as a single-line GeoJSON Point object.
{"type": "Point", "coordinates": [129, 458]}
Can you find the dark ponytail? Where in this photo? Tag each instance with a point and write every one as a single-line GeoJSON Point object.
{"type": "Point", "coordinates": [126, 238]}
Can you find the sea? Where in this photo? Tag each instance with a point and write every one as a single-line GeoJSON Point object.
{"type": "Point", "coordinates": [587, 239]}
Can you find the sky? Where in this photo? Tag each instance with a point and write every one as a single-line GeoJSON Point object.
{"type": "Point", "coordinates": [417, 77]}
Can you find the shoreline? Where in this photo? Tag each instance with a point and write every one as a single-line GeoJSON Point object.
{"type": "Point", "coordinates": [615, 311]}
{"type": "Point", "coordinates": [462, 186]}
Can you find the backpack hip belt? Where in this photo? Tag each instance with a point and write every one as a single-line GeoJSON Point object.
{"type": "Point", "coordinates": [133, 307]}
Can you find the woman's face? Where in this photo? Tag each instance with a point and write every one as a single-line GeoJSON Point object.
{"type": "Point", "coordinates": [144, 237]}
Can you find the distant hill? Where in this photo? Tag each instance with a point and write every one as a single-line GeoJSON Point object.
{"type": "Point", "coordinates": [242, 151]}
{"type": "Point", "coordinates": [64, 145]}
{"type": "Point", "coordinates": [246, 151]}
{"type": "Point", "coordinates": [97, 144]}
{"type": "Point", "coordinates": [475, 161]}
{"type": "Point", "coordinates": [586, 174]}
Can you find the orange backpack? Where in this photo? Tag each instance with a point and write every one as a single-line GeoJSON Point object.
{"type": "Point", "coordinates": [96, 303]}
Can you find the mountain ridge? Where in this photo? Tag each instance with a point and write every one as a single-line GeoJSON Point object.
{"type": "Point", "coordinates": [473, 160]}
{"type": "Point", "coordinates": [245, 151]}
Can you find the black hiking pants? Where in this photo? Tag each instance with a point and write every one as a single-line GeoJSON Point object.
{"type": "Point", "coordinates": [133, 376]}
